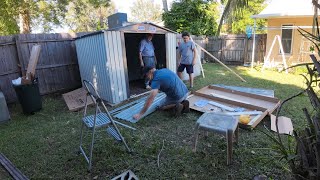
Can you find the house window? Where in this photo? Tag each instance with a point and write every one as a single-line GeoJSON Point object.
{"type": "Point", "coordinates": [286, 38]}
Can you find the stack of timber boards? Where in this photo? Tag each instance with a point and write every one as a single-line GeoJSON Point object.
{"type": "Point", "coordinates": [235, 99]}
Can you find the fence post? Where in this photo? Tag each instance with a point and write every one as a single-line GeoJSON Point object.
{"type": "Point", "coordinates": [222, 49]}
{"type": "Point", "coordinates": [20, 59]}
{"type": "Point", "coordinates": [245, 53]}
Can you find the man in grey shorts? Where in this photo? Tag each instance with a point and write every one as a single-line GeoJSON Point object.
{"type": "Point", "coordinates": [169, 83]}
{"type": "Point", "coordinates": [188, 53]}
{"type": "Point", "coordinates": [147, 56]}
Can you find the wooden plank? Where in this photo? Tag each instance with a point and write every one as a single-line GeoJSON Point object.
{"type": "Point", "coordinates": [244, 113]}
{"type": "Point", "coordinates": [227, 101]}
{"type": "Point", "coordinates": [248, 95]}
{"type": "Point", "coordinates": [33, 61]}
{"type": "Point", "coordinates": [14, 172]}
{"type": "Point", "coordinates": [209, 108]}
{"type": "Point", "coordinates": [76, 99]}
{"type": "Point", "coordinates": [254, 123]}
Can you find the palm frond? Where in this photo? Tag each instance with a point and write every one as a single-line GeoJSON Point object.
{"type": "Point", "coordinates": [232, 7]}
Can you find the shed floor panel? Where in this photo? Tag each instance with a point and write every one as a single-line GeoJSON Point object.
{"type": "Point", "coordinates": [137, 87]}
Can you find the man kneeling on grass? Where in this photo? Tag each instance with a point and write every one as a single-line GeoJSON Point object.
{"type": "Point", "coordinates": [169, 83]}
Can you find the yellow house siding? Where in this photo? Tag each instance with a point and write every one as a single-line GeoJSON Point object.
{"type": "Point", "coordinates": [296, 40]}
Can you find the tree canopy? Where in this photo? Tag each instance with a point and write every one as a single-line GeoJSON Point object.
{"type": "Point", "coordinates": [232, 8]}
{"type": "Point", "coordinates": [199, 17]}
{"type": "Point", "coordinates": [145, 10]}
{"type": "Point", "coordinates": [8, 23]}
{"type": "Point", "coordinates": [44, 15]}
{"type": "Point", "coordinates": [195, 16]}
{"type": "Point", "coordinates": [88, 15]}
{"type": "Point", "coordinates": [238, 22]}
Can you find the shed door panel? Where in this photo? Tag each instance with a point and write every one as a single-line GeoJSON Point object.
{"type": "Point", "coordinates": [171, 44]}
{"type": "Point", "coordinates": [115, 65]}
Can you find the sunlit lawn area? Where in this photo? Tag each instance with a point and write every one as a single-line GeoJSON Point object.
{"type": "Point", "coordinates": [45, 145]}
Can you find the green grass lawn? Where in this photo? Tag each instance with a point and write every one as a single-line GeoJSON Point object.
{"type": "Point", "coordinates": [45, 145]}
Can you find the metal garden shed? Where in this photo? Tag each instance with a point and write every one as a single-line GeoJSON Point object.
{"type": "Point", "coordinates": [109, 58]}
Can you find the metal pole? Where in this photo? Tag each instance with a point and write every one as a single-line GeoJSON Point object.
{"type": "Point", "coordinates": [253, 43]}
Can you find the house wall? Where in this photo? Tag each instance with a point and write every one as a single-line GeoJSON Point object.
{"type": "Point", "coordinates": [295, 56]}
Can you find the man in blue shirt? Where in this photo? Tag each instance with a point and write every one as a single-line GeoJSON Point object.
{"type": "Point", "coordinates": [146, 55]}
{"type": "Point", "coordinates": [169, 83]}
{"type": "Point", "coordinates": [188, 55]}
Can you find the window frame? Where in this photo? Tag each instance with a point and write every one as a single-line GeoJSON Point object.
{"type": "Point", "coordinates": [292, 35]}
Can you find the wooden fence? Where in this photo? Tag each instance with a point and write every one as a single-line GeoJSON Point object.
{"type": "Point", "coordinates": [57, 68]}
{"type": "Point", "coordinates": [235, 49]}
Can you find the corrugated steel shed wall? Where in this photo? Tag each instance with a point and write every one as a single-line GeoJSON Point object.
{"type": "Point", "coordinates": [116, 67]}
{"type": "Point", "coordinates": [92, 58]}
{"type": "Point", "coordinates": [171, 44]}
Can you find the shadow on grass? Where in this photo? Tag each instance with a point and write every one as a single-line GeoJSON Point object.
{"type": "Point", "coordinates": [45, 145]}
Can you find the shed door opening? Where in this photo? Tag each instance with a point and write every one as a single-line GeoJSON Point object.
{"type": "Point", "coordinates": [132, 41]}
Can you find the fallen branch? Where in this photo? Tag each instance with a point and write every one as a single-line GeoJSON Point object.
{"type": "Point", "coordinates": [160, 153]}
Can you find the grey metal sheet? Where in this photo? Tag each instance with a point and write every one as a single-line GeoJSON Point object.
{"type": "Point", "coordinates": [116, 66]}
{"type": "Point", "coordinates": [257, 91]}
{"type": "Point", "coordinates": [127, 114]}
{"type": "Point", "coordinates": [92, 59]}
{"type": "Point", "coordinates": [117, 110]}
{"type": "Point", "coordinates": [171, 43]}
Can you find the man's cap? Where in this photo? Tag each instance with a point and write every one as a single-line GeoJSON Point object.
{"type": "Point", "coordinates": [147, 69]}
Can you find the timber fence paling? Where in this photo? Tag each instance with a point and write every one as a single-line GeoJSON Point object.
{"type": "Point", "coordinates": [8, 66]}
{"type": "Point", "coordinates": [235, 49]}
{"type": "Point", "coordinates": [57, 68]}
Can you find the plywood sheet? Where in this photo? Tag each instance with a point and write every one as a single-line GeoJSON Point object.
{"type": "Point", "coordinates": [76, 99]}
{"type": "Point", "coordinates": [33, 61]}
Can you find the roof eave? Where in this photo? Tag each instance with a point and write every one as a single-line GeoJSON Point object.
{"type": "Point", "coordinates": [271, 16]}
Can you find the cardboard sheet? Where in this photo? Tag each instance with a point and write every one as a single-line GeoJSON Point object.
{"type": "Point", "coordinates": [76, 99]}
{"type": "Point", "coordinates": [284, 125]}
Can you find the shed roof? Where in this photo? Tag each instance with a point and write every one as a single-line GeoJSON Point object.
{"type": "Point", "coordinates": [287, 9]}
{"type": "Point", "coordinates": [143, 27]}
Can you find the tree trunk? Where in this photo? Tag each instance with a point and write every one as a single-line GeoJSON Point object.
{"type": "Point", "coordinates": [25, 20]}
{"type": "Point", "coordinates": [100, 19]}
{"type": "Point", "coordinates": [165, 5]}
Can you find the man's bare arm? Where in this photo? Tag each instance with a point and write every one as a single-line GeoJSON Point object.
{"type": "Point", "coordinates": [140, 58]}
{"type": "Point", "coordinates": [148, 103]}
{"type": "Point", "coordinates": [194, 56]}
